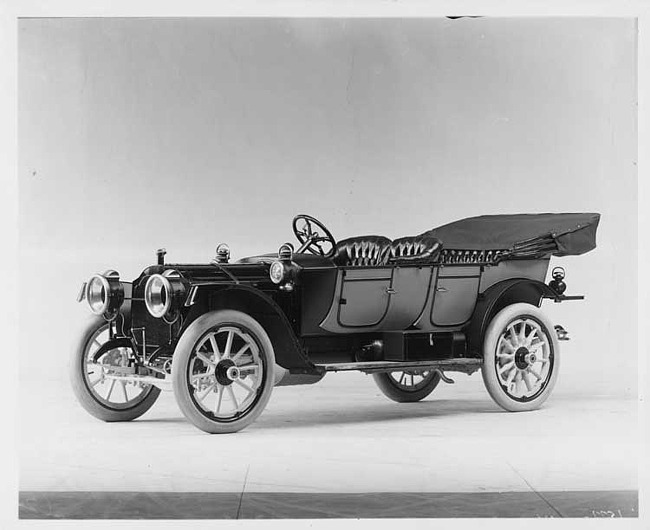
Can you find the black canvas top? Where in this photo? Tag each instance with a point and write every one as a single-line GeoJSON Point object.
{"type": "Point", "coordinates": [571, 233]}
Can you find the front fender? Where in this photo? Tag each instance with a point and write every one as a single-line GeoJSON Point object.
{"type": "Point", "coordinates": [121, 342]}
{"type": "Point", "coordinates": [289, 353]}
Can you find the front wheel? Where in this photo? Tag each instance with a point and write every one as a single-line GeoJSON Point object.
{"type": "Point", "coordinates": [223, 371]}
{"type": "Point", "coordinates": [95, 380]}
{"type": "Point", "coordinates": [520, 358]}
{"type": "Point", "coordinates": [407, 386]}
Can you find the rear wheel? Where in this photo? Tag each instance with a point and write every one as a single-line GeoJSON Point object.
{"type": "Point", "coordinates": [95, 377]}
{"type": "Point", "coordinates": [520, 358]}
{"type": "Point", "coordinates": [407, 386]}
{"type": "Point", "coordinates": [223, 371]}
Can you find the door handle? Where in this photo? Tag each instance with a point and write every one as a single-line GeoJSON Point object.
{"type": "Point", "coordinates": [390, 290]}
{"type": "Point", "coordinates": [441, 289]}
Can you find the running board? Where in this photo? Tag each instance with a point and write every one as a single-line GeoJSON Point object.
{"type": "Point", "coordinates": [467, 366]}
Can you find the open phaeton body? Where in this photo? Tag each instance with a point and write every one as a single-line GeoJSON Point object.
{"type": "Point", "coordinates": [461, 297]}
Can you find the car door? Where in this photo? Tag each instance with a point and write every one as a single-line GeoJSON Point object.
{"type": "Point", "coordinates": [409, 295]}
{"type": "Point", "coordinates": [455, 295]}
{"type": "Point", "coordinates": [362, 296]}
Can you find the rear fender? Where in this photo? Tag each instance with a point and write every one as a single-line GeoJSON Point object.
{"type": "Point", "coordinates": [495, 299]}
{"type": "Point", "coordinates": [288, 351]}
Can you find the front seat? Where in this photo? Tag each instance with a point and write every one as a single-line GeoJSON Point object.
{"type": "Point", "coordinates": [362, 251]}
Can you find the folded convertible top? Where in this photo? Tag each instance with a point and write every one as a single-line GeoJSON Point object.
{"type": "Point", "coordinates": [522, 235]}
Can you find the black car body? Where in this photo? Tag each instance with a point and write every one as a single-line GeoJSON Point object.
{"type": "Point", "coordinates": [412, 308]}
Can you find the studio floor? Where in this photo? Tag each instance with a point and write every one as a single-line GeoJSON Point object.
{"type": "Point", "coordinates": [335, 449]}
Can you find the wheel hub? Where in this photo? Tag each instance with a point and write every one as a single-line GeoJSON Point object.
{"type": "Point", "coordinates": [531, 358]}
{"type": "Point", "coordinates": [522, 358]}
{"type": "Point", "coordinates": [226, 372]}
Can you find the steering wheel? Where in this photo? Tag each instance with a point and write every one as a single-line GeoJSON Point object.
{"type": "Point", "coordinates": [312, 240]}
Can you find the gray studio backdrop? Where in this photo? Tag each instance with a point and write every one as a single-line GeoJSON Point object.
{"type": "Point", "coordinates": [141, 133]}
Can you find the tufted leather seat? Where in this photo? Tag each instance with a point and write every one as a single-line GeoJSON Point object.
{"type": "Point", "coordinates": [362, 251]}
{"type": "Point", "coordinates": [415, 248]}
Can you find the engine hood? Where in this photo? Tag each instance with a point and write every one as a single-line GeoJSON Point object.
{"type": "Point", "coordinates": [252, 269]}
{"type": "Point", "coordinates": [203, 273]}
{"type": "Point", "coordinates": [302, 260]}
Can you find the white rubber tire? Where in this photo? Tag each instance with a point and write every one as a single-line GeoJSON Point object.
{"type": "Point", "coordinates": [180, 365]}
{"type": "Point", "coordinates": [496, 327]}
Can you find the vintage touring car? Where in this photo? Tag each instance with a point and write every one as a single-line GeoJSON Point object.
{"type": "Point", "coordinates": [461, 297]}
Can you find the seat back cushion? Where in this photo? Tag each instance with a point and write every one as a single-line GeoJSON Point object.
{"type": "Point", "coordinates": [362, 251]}
{"type": "Point", "coordinates": [415, 248]}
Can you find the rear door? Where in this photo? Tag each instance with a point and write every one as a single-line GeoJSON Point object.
{"type": "Point", "coordinates": [455, 295]}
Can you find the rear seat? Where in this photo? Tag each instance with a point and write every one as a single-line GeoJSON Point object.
{"type": "Point", "coordinates": [415, 248]}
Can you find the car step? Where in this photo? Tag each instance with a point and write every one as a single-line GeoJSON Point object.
{"type": "Point", "coordinates": [452, 365]}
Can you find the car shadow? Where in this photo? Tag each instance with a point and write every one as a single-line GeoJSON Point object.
{"type": "Point", "coordinates": [174, 419]}
{"type": "Point", "coordinates": [374, 413]}
{"type": "Point", "coordinates": [280, 417]}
